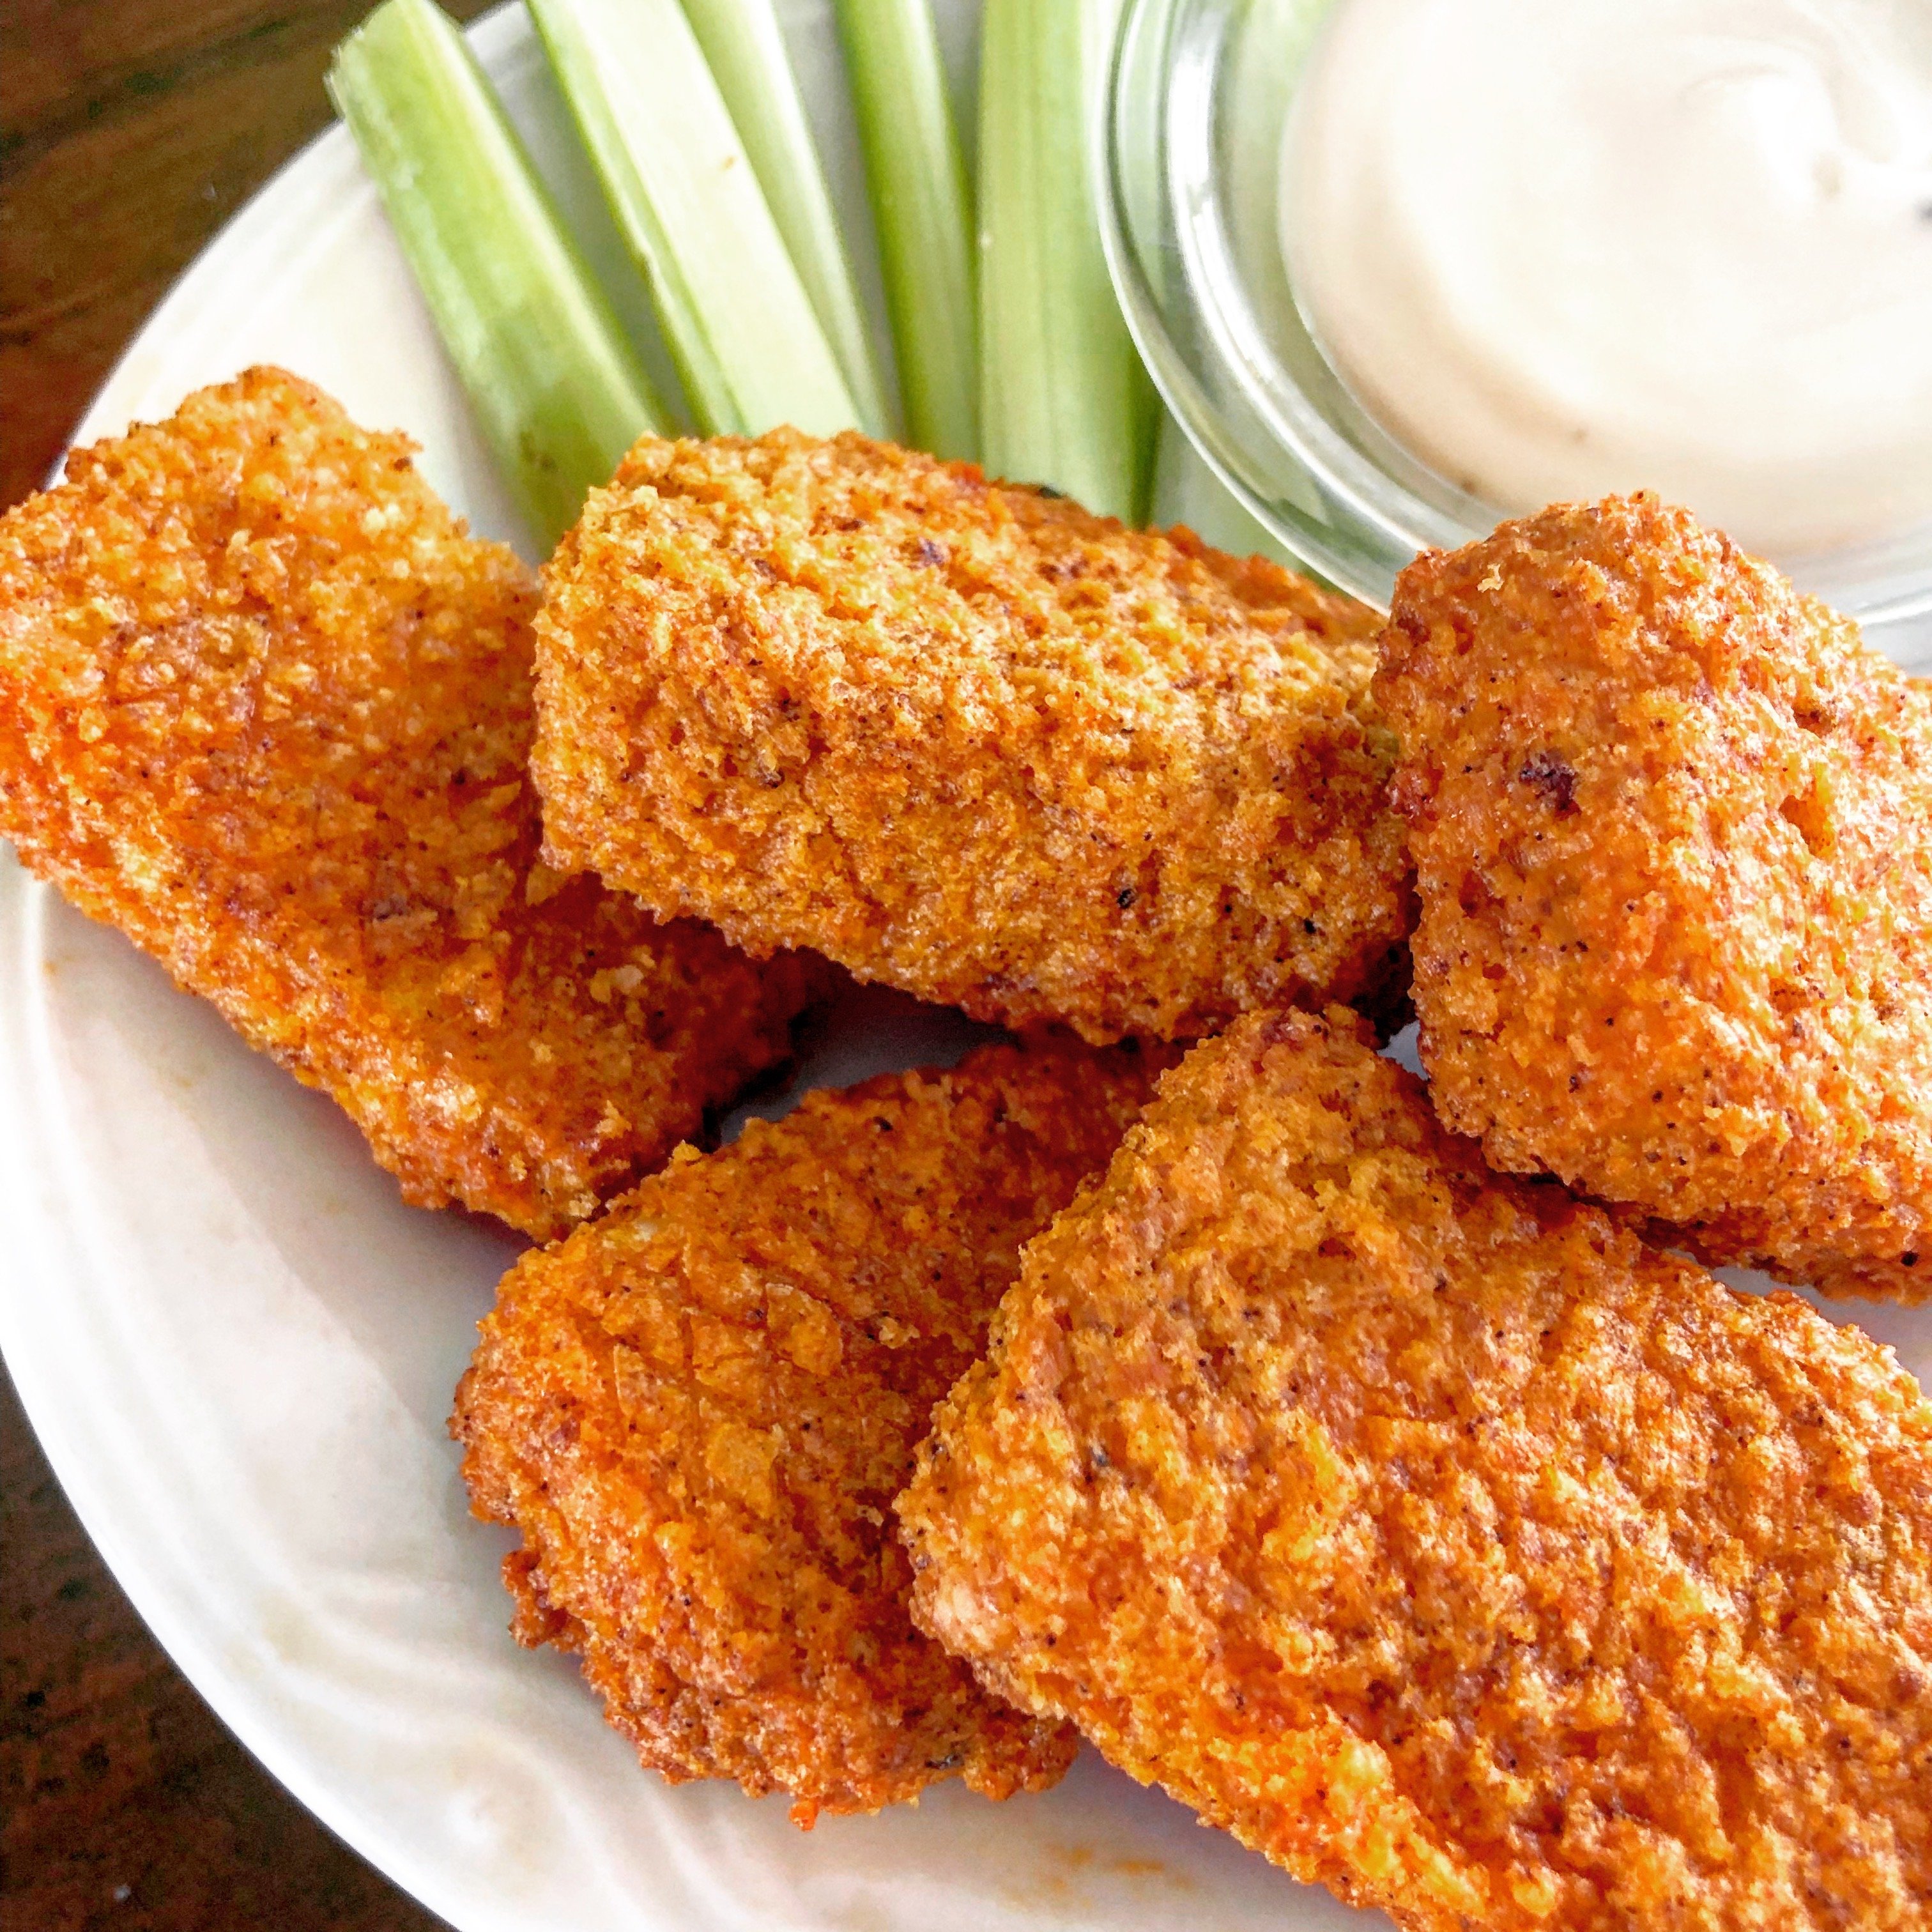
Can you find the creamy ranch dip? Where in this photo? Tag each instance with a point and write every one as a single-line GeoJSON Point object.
{"type": "Point", "coordinates": [1558, 247]}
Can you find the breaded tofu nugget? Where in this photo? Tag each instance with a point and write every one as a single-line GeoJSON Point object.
{"type": "Point", "coordinates": [966, 739]}
{"type": "Point", "coordinates": [266, 707]}
{"type": "Point", "coordinates": [697, 1410]}
{"type": "Point", "coordinates": [1672, 824]}
{"type": "Point", "coordinates": [1435, 1537]}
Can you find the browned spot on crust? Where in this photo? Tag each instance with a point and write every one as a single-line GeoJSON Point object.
{"type": "Point", "coordinates": [1552, 777]}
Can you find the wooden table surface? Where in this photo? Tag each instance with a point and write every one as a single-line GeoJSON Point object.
{"type": "Point", "coordinates": [129, 130]}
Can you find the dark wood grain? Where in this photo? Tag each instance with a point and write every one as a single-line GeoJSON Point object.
{"type": "Point", "coordinates": [123, 1802]}
{"type": "Point", "coordinates": [129, 130]}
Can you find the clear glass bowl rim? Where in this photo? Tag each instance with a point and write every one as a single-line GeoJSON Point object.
{"type": "Point", "coordinates": [1343, 511]}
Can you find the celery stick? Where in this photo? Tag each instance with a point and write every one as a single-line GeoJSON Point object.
{"type": "Point", "coordinates": [736, 317]}
{"type": "Point", "coordinates": [922, 204]}
{"type": "Point", "coordinates": [1064, 398]}
{"type": "Point", "coordinates": [745, 46]}
{"type": "Point", "coordinates": [558, 391]}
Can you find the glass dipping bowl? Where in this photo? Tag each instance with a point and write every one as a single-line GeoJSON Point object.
{"type": "Point", "coordinates": [1198, 97]}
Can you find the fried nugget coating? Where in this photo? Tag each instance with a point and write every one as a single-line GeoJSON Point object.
{"type": "Point", "coordinates": [1673, 826]}
{"type": "Point", "coordinates": [697, 1411]}
{"type": "Point", "coordinates": [1436, 1537]}
{"type": "Point", "coordinates": [266, 707]}
{"type": "Point", "coordinates": [966, 739]}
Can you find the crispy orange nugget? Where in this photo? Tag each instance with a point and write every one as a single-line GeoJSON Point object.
{"type": "Point", "coordinates": [1437, 1538]}
{"type": "Point", "coordinates": [966, 739]}
{"type": "Point", "coordinates": [1672, 824]}
{"type": "Point", "coordinates": [266, 707]}
{"type": "Point", "coordinates": [697, 1411]}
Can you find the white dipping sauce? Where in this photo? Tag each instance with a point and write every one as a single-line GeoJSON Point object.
{"type": "Point", "coordinates": [1559, 247]}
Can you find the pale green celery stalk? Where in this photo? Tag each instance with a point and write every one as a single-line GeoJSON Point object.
{"type": "Point", "coordinates": [1064, 400]}
{"type": "Point", "coordinates": [922, 203]}
{"type": "Point", "coordinates": [745, 47]}
{"type": "Point", "coordinates": [556, 386]}
{"type": "Point", "coordinates": [736, 317]}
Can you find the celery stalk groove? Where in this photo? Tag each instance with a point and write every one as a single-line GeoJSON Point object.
{"type": "Point", "coordinates": [1064, 400]}
{"type": "Point", "coordinates": [922, 203]}
{"type": "Point", "coordinates": [557, 387]}
{"type": "Point", "coordinates": [745, 47]}
{"type": "Point", "coordinates": [748, 344]}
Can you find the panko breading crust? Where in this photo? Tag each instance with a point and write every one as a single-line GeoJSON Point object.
{"type": "Point", "coordinates": [1436, 1537]}
{"type": "Point", "coordinates": [697, 1411]}
{"type": "Point", "coordinates": [266, 707]}
{"type": "Point", "coordinates": [966, 739]}
{"type": "Point", "coordinates": [1672, 824]}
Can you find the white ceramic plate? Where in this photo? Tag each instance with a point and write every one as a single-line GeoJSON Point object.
{"type": "Point", "coordinates": [239, 1348]}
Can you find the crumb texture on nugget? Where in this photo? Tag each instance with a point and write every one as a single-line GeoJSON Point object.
{"type": "Point", "coordinates": [1672, 823]}
{"type": "Point", "coordinates": [697, 1410]}
{"type": "Point", "coordinates": [266, 706]}
{"type": "Point", "coordinates": [1433, 1535]}
{"type": "Point", "coordinates": [966, 739]}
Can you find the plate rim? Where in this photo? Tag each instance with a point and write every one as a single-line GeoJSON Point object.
{"type": "Point", "coordinates": [325, 167]}
{"type": "Point", "coordinates": [329, 156]}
